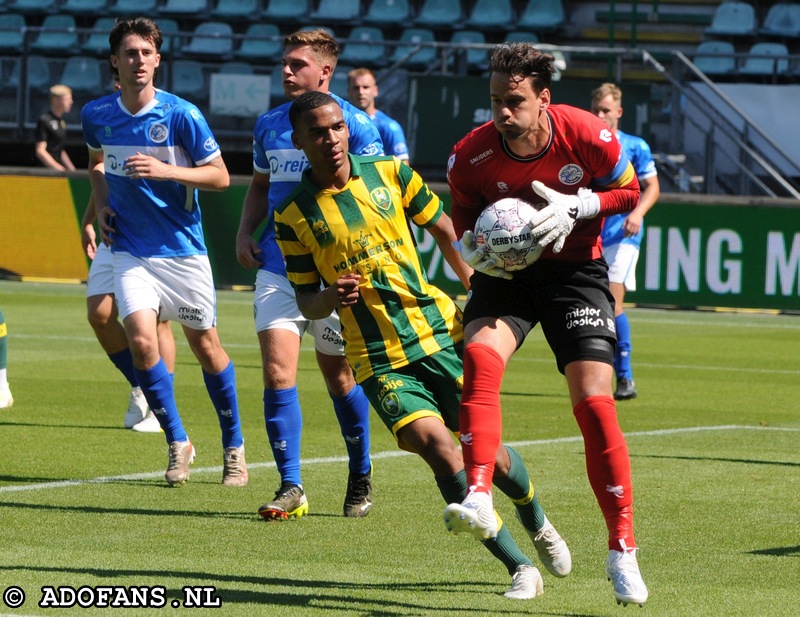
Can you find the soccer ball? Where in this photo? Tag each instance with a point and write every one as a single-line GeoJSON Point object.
{"type": "Point", "coordinates": [503, 229]}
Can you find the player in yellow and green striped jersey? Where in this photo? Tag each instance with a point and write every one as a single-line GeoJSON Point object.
{"type": "Point", "coordinates": [345, 235]}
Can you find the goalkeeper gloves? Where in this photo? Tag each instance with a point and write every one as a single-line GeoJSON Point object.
{"type": "Point", "coordinates": [477, 258]}
{"type": "Point", "coordinates": [554, 222]}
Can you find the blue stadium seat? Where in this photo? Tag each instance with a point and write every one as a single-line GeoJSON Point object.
{"type": "Point", "coordinates": [287, 11]}
{"type": "Point", "coordinates": [233, 10]}
{"type": "Point", "coordinates": [476, 59]}
{"type": "Point", "coordinates": [774, 60]}
{"type": "Point", "coordinates": [522, 36]}
{"type": "Point", "coordinates": [276, 93]}
{"type": "Point", "coordinates": [715, 58]}
{"type": "Point", "coordinates": [133, 7]}
{"type": "Point", "coordinates": [257, 46]}
{"type": "Point", "coordinates": [97, 41]}
{"type": "Point", "coordinates": [411, 38]}
{"type": "Point", "coordinates": [388, 12]}
{"type": "Point", "coordinates": [58, 34]}
{"type": "Point", "coordinates": [364, 46]}
{"type": "Point", "coordinates": [339, 81]}
{"type": "Point", "coordinates": [33, 7]}
{"type": "Point", "coordinates": [169, 34]}
{"type": "Point", "coordinates": [37, 72]}
{"type": "Point", "coordinates": [84, 7]}
{"type": "Point", "coordinates": [440, 14]}
{"type": "Point", "coordinates": [194, 9]}
{"type": "Point", "coordinates": [12, 32]}
{"type": "Point", "coordinates": [733, 19]}
{"type": "Point", "coordinates": [236, 68]}
{"type": "Point", "coordinates": [491, 15]}
{"type": "Point", "coordinates": [337, 11]}
{"type": "Point", "coordinates": [188, 80]}
{"type": "Point", "coordinates": [210, 39]}
{"type": "Point", "coordinates": [83, 74]}
{"type": "Point", "coordinates": [542, 15]}
{"type": "Point", "coordinates": [783, 20]}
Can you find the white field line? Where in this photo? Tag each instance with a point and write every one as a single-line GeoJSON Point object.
{"type": "Point", "coordinates": [40, 486]}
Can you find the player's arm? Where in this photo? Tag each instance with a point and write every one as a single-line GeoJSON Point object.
{"type": "Point", "coordinates": [66, 161]}
{"type": "Point", "coordinates": [651, 190]}
{"type": "Point", "coordinates": [255, 210]}
{"type": "Point", "coordinates": [211, 176]}
{"type": "Point", "coordinates": [88, 234]}
{"type": "Point", "coordinates": [100, 193]}
{"type": "Point", "coordinates": [444, 234]}
{"type": "Point", "coordinates": [319, 304]}
{"type": "Point", "coordinates": [46, 158]}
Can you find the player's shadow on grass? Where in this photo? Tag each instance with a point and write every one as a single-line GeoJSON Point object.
{"type": "Point", "coordinates": [779, 551]}
{"type": "Point", "coordinates": [746, 461]}
{"type": "Point", "coordinates": [67, 426]}
{"type": "Point", "coordinates": [321, 595]}
{"type": "Point", "coordinates": [130, 511]}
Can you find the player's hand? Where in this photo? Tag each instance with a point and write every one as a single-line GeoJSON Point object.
{"type": "Point", "coordinates": [346, 289]}
{"type": "Point", "coordinates": [248, 251]}
{"type": "Point", "coordinates": [105, 219]}
{"type": "Point", "coordinates": [141, 166]}
{"type": "Point", "coordinates": [89, 241]}
{"type": "Point", "coordinates": [477, 258]}
{"type": "Point", "coordinates": [554, 222]}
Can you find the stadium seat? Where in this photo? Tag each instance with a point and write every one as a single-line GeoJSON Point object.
{"type": "Point", "coordinates": [733, 19]}
{"type": "Point", "coordinates": [476, 59]}
{"type": "Point", "coordinates": [364, 46]}
{"type": "Point", "coordinates": [188, 80]}
{"type": "Point", "coordinates": [133, 7]}
{"type": "Point", "coordinates": [287, 11]}
{"type": "Point", "coordinates": [491, 15]}
{"type": "Point", "coordinates": [337, 12]}
{"type": "Point", "coordinates": [542, 15]}
{"type": "Point", "coordinates": [37, 73]}
{"type": "Point", "coordinates": [97, 41]}
{"type": "Point", "coordinates": [234, 10]}
{"type": "Point", "coordinates": [212, 40]}
{"type": "Point", "coordinates": [440, 14]}
{"type": "Point", "coordinates": [276, 93]}
{"type": "Point", "coordinates": [339, 80]}
{"type": "Point", "coordinates": [84, 7]}
{"type": "Point", "coordinates": [261, 43]}
{"type": "Point", "coordinates": [83, 74]}
{"type": "Point", "coordinates": [774, 60]}
{"type": "Point", "coordinates": [720, 59]}
{"type": "Point", "coordinates": [388, 12]}
{"type": "Point", "coordinates": [33, 7]}
{"type": "Point", "coordinates": [194, 9]}
{"type": "Point", "coordinates": [58, 34]}
{"type": "Point", "coordinates": [410, 39]}
{"type": "Point", "coordinates": [783, 20]}
{"type": "Point", "coordinates": [12, 33]}
{"type": "Point", "coordinates": [236, 68]}
{"type": "Point", "coordinates": [169, 34]}
{"type": "Point", "coordinates": [522, 36]}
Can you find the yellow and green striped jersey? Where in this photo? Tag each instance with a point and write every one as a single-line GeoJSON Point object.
{"type": "Point", "coordinates": [362, 228]}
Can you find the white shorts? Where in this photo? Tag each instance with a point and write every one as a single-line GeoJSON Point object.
{"type": "Point", "coordinates": [275, 307]}
{"type": "Point", "coordinates": [621, 259]}
{"type": "Point", "coordinates": [100, 281]}
{"type": "Point", "coordinates": [177, 288]}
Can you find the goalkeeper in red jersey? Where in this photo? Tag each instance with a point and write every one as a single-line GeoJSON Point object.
{"type": "Point", "coordinates": [571, 167]}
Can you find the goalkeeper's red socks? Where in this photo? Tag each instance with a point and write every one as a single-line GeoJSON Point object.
{"type": "Point", "coordinates": [480, 417]}
{"type": "Point", "coordinates": [608, 466]}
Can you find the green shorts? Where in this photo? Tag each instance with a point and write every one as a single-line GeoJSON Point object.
{"type": "Point", "coordinates": [428, 387]}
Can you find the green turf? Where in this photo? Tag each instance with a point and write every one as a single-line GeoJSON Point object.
{"type": "Point", "coordinates": [83, 501]}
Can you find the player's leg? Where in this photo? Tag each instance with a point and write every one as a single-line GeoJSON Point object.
{"type": "Point", "coordinates": [352, 412]}
{"type": "Point", "coordinates": [512, 478]}
{"type": "Point", "coordinates": [166, 349]}
{"type": "Point", "coordinates": [622, 259]}
{"type": "Point", "coordinates": [6, 400]}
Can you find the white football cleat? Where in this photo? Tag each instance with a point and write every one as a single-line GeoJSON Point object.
{"type": "Point", "coordinates": [622, 570]}
{"type": "Point", "coordinates": [552, 549]}
{"type": "Point", "coordinates": [475, 515]}
{"type": "Point", "coordinates": [6, 400]}
{"type": "Point", "coordinates": [526, 584]}
{"type": "Point", "coordinates": [149, 424]}
{"type": "Point", "coordinates": [137, 408]}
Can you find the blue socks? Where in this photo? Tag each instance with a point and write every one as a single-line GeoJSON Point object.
{"type": "Point", "coordinates": [156, 384]}
{"type": "Point", "coordinates": [622, 355]}
{"type": "Point", "coordinates": [123, 360]}
{"type": "Point", "coordinates": [222, 391]}
{"type": "Point", "coordinates": [284, 426]}
{"type": "Point", "coordinates": [352, 411]}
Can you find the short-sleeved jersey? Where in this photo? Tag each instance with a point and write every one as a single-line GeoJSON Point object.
{"type": "Point", "coordinates": [641, 158]}
{"type": "Point", "coordinates": [400, 317]}
{"type": "Point", "coordinates": [275, 154]}
{"type": "Point", "coordinates": [53, 131]}
{"type": "Point", "coordinates": [392, 135]}
{"type": "Point", "coordinates": [581, 152]}
{"type": "Point", "coordinates": [154, 218]}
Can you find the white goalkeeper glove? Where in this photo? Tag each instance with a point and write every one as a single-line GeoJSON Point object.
{"type": "Point", "coordinates": [477, 258]}
{"type": "Point", "coordinates": [554, 222]}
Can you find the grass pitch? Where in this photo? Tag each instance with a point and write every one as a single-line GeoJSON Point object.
{"type": "Point", "coordinates": [713, 438]}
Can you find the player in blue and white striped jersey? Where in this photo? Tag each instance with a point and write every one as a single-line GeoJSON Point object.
{"type": "Point", "coordinates": [149, 153]}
